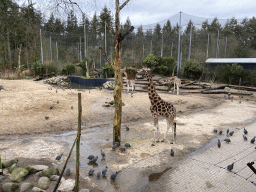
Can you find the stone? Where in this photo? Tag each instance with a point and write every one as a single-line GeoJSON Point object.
{"type": "Point", "coordinates": [26, 187]}
{"type": "Point", "coordinates": [10, 163]}
{"type": "Point", "coordinates": [13, 167]}
{"type": "Point", "coordinates": [109, 85]}
{"type": "Point", "coordinates": [36, 168]}
{"type": "Point", "coordinates": [18, 174]}
{"type": "Point", "coordinates": [10, 186]}
{"type": "Point", "coordinates": [43, 182]}
{"type": "Point", "coordinates": [84, 190]}
{"type": "Point", "coordinates": [56, 177]}
{"type": "Point", "coordinates": [49, 172]}
{"type": "Point", "coordinates": [37, 189]}
{"type": "Point", "coordinates": [67, 186]}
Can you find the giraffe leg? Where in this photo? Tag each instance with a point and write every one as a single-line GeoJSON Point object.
{"type": "Point", "coordinates": [174, 88]}
{"type": "Point", "coordinates": [177, 90]}
{"type": "Point", "coordinates": [127, 87]}
{"type": "Point", "coordinates": [168, 127]}
{"type": "Point", "coordinates": [173, 129]}
{"type": "Point", "coordinates": [156, 128]}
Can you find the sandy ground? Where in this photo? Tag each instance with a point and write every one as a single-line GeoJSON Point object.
{"type": "Point", "coordinates": [25, 104]}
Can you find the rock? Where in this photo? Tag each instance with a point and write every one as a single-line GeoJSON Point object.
{"type": "Point", "coordinates": [109, 85]}
{"type": "Point", "coordinates": [84, 190]}
{"type": "Point", "coordinates": [13, 167]}
{"type": "Point", "coordinates": [2, 178]}
{"type": "Point", "coordinates": [36, 168]}
{"type": "Point", "coordinates": [43, 182]}
{"type": "Point", "coordinates": [49, 172]}
{"type": "Point", "coordinates": [18, 174]}
{"type": "Point", "coordinates": [10, 186]}
{"type": "Point", "coordinates": [38, 189]}
{"type": "Point", "coordinates": [67, 185]}
{"type": "Point", "coordinates": [56, 177]}
{"type": "Point", "coordinates": [10, 163]}
{"type": "Point", "coordinates": [25, 187]}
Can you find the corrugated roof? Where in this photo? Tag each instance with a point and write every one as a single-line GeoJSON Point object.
{"type": "Point", "coordinates": [231, 60]}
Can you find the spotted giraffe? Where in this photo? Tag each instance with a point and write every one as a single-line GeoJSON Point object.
{"type": "Point", "coordinates": [159, 107]}
{"type": "Point", "coordinates": [176, 81]}
{"type": "Point", "coordinates": [130, 80]}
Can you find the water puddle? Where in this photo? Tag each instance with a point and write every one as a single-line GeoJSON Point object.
{"type": "Point", "coordinates": [156, 176]}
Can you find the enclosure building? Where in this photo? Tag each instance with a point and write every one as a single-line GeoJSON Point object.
{"type": "Point", "coordinates": [246, 63]}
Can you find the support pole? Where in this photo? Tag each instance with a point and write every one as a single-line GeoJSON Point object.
{"type": "Point", "coordinates": [226, 47]}
{"type": "Point", "coordinates": [84, 38]}
{"type": "Point", "coordinates": [78, 142]}
{"type": "Point", "coordinates": [51, 47]}
{"type": "Point", "coordinates": [80, 50]}
{"type": "Point", "coordinates": [171, 49]}
{"type": "Point", "coordinates": [106, 38]}
{"type": "Point", "coordinates": [189, 54]}
{"type": "Point", "coordinates": [42, 55]}
{"type": "Point", "coordinates": [207, 47]}
{"type": "Point", "coordinates": [178, 58]}
{"type": "Point", "coordinates": [57, 52]}
{"type": "Point", "coordinates": [162, 43]}
{"type": "Point", "coordinates": [217, 48]}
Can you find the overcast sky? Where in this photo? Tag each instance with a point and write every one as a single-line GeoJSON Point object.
{"type": "Point", "coordinates": [144, 12]}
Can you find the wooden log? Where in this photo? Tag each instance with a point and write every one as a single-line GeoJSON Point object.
{"type": "Point", "coordinates": [243, 88]}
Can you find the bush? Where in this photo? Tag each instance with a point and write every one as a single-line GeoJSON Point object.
{"type": "Point", "coordinates": [108, 70]}
{"type": "Point", "coordinates": [82, 64]}
{"type": "Point", "coordinates": [230, 74]}
{"type": "Point", "coordinates": [69, 69]}
{"type": "Point", "coordinates": [192, 70]}
{"type": "Point", "coordinates": [41, 68]}
{"type": "Point", "coordinates": [162, 66]}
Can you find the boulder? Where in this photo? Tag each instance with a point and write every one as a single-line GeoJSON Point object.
{"type": "Point", "coordinates": [43, 182]}
{"type": "Point", "coordinates": [36, 168]}
{"type": "Point", "coordinates": [26, 187]}
{"type": "Point", "coordinates": [38, 189]}
{"type": "Point", "coordinates": [9, 186]}
{"type": "Point", "coordinates": [13, 167]}
{"type": "Point", "coordinates": [10, 163]}
{"type": "Point", "coordinates": [2, 178]}
{"type": "Point", "coordinates": [49, 172]}
{"type": "Point", "coordinates": [56, 177]}
{"type": "Point", "coordinates": [67, 186]}
{"type": "Point", "coordinates": [109, 85]}
{"type": "Point", "coordinates": [18, 174]}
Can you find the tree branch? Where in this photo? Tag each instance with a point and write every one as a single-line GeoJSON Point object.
{"type": "Point", "coordinates": [106, 57]}
{"type": "Point", "coordinates": [110, 28]}
{"type": "Point", "coordinates": [128, 32]}
{"type": "Point", "coordinates": [122, 6]}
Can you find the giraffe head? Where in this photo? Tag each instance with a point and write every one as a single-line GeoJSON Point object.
{"type": "Point", "coordinates": [145, 72]}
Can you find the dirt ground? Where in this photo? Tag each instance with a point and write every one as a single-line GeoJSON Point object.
{"type": "Point", "coordinates": [25, 104]}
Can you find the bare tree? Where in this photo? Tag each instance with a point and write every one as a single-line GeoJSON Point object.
{"type": "Point", "coordinates": [118, 74]}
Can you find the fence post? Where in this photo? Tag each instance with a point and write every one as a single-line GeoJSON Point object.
{"type": "Point", "coordinates": [78, 142]}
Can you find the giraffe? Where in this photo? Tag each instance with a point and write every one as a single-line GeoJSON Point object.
{"type": "Point", "coordinates": [159, 107]}
{"type": "Point", "coordinates": [176, 81]}
{"type": "Point", "coordinates": [130, 79]}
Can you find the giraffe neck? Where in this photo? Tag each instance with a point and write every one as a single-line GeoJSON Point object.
{"type": "Point", "coordinates": [153, 96]}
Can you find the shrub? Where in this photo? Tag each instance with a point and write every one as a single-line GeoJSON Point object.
{"type": "Point", "coordinates": [82, 64]}
{"type": "Point", "coordinates": [163, 66]}
{"type": "Point", "coordinates": [192, 70]}
{"type": "Point", "coordinates": [230, 74]}
{"type": "Point", "coordinates": [108, 70]}
{"type": "Point", "coordinates": [69, 69]}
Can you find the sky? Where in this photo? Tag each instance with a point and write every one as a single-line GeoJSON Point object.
{"type": "Point", "coordinates": [147, 12]}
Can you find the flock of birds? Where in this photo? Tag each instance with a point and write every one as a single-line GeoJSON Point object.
{"type": "Point", "coordinates": [230, 133]}
{"type": "Point", "coordinates": [51, 107]}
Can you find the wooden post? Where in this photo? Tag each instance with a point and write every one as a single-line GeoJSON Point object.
{"type": "Point", "coordinates": [1, 167]}
{"type": "Point", "coordinates": [175, 131]}
{"type": "Point", "coordinates": [239, 83]}
{"type": "Point", "coordinates": [251, 167]}
{"type": "Point", "coordinates": [78, 142]}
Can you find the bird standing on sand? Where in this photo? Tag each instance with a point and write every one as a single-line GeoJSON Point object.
{"type": "Point", "coordinates": [127, 128]}
{"type": "Point", "coordinates": [90, 157]}
{"type": "Point", "coordinates": [91, 172]}
{"type": "Point", "coordinates": [227, 140]}
{"type": "Point", "coordinates": [245, 131]}
{"type": "Point", "coordinates": [172, 153]}
{"type": "Point", "coordinates": [113, 176]}
{"type": "Point", "coordinates": [230, 167]}
{"type": "Point", "coordinates": [219, 144]}
{"type": "Point", "coordinates": [245, 138]}
{"type": "Point", "coordinates": [104, 171]}
{"type": "Point", "coordinates": [59, 157]}
{"type": "Point", "coordinates": [103, 155]}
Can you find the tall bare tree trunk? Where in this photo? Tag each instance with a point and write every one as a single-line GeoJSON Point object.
{"type": "Point", "coordinates": [19, 70]}
{"type": "Point", "coordinates": [118, 80]}
{"type": "Point", "coordinates": [9, 49]}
